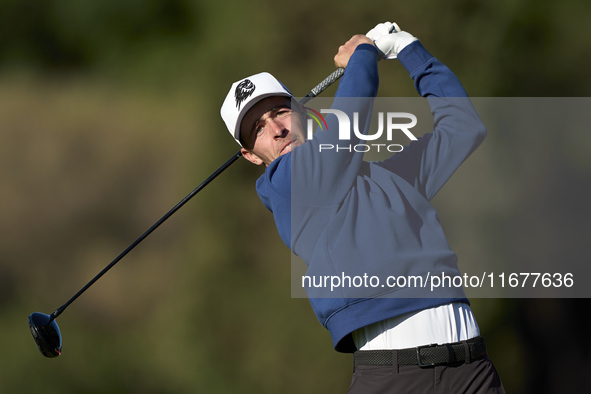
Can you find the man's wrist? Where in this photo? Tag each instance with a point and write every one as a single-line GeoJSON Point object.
{"type": "Point", "coordinates": [364, 50]}
{"type": "Point", "coordinates": [366, 47]}
{"type": "Point", "coordinates": [413, 56]}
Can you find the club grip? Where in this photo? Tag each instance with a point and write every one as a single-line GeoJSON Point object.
{"type": "Point", "coordinates": [332, 78]}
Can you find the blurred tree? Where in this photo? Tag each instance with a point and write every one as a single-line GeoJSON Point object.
{"type": "Point", "coordinates": [58, 35]}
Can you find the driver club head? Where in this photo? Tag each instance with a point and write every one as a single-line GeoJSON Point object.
{"type": "Point", "coordinates": [46, 334]}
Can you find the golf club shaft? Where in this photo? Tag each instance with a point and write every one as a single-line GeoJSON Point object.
{"type": "Point", "coordinates": [313, 93]}
{"type": "Point", "coordinates": [235, 157]}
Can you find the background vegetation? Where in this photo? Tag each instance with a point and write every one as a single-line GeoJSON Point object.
{"type": "Point", "coordinates": [109, 115]}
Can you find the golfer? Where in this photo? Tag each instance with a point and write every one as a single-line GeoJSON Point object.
{"type": "Point", "coordinates": [344, 216]}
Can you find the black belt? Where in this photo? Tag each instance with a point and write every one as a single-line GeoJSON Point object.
{"type": "Point", "coordinates": [425, 356]}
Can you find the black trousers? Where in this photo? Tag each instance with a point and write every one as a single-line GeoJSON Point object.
{"type": "Point", "coordinates": [476, 377]}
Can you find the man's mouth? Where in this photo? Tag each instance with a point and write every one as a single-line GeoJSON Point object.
{"type": "Point", "coordinates": [286, 148]}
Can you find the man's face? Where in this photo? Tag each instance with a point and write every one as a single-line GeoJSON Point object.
{"type": "Point", "coordinates": [270, 129]}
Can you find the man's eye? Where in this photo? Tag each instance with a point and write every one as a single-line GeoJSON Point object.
{"type": "Point", "coordinates": [284, 112]}
{"type": "Point", "coordinates": [258, 129]}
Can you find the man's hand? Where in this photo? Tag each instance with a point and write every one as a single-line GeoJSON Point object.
{"type": "Point", "coordinates": [345, 51]}
{"type": "Point", "coordinates": [389, 39]}
{"type": "Point", "coordinates": [382, 29]}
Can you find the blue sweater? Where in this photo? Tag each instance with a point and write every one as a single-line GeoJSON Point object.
{"type": "Point", "coordinates": [347, 217]}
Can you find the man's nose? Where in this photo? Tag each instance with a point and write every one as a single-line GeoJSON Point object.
{"type": "Point", "coordinates": [278, 128]}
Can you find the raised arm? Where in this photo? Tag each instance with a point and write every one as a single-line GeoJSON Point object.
{"type": "Point", "coordinates": [324, 176]}
{"type": "Point", "coordinates": [430, 161]}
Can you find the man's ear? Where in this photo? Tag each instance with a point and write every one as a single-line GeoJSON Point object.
{"type": "Point", "coordinates": [248, 155]}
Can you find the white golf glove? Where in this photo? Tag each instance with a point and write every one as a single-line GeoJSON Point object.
{"type": "Point", "coordinates": [389, 39]}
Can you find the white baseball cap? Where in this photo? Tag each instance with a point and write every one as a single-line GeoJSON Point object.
{"type": "Point", "coordinates": [246, 93]}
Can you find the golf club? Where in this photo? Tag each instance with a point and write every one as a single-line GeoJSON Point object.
{"type": "Point", "coordinates": [44, 328]}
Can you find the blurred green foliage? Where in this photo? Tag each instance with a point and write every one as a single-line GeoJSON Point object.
{"type": "Point", "coordinates": [109, 115]}
{"type": "Point", "coordinates": [54, 35]}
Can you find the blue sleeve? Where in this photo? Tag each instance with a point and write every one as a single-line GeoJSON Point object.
{"type": "Point", "coordinates": [361, 74]}
{"type": "Point", "coordinates": [325, 177]}
{"type": "Point", "coordinates": [320, 178]}
{"type": "Point", "coordinates": [430, 161]}
{"type": "Point", "coordinates": [432, 78]}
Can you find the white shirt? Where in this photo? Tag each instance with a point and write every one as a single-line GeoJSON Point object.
{"type": "Point", "coordinates": [442, 324]}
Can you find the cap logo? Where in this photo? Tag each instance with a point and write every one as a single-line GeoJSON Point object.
{"type": "Point", "coordinates": [243, 91]}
